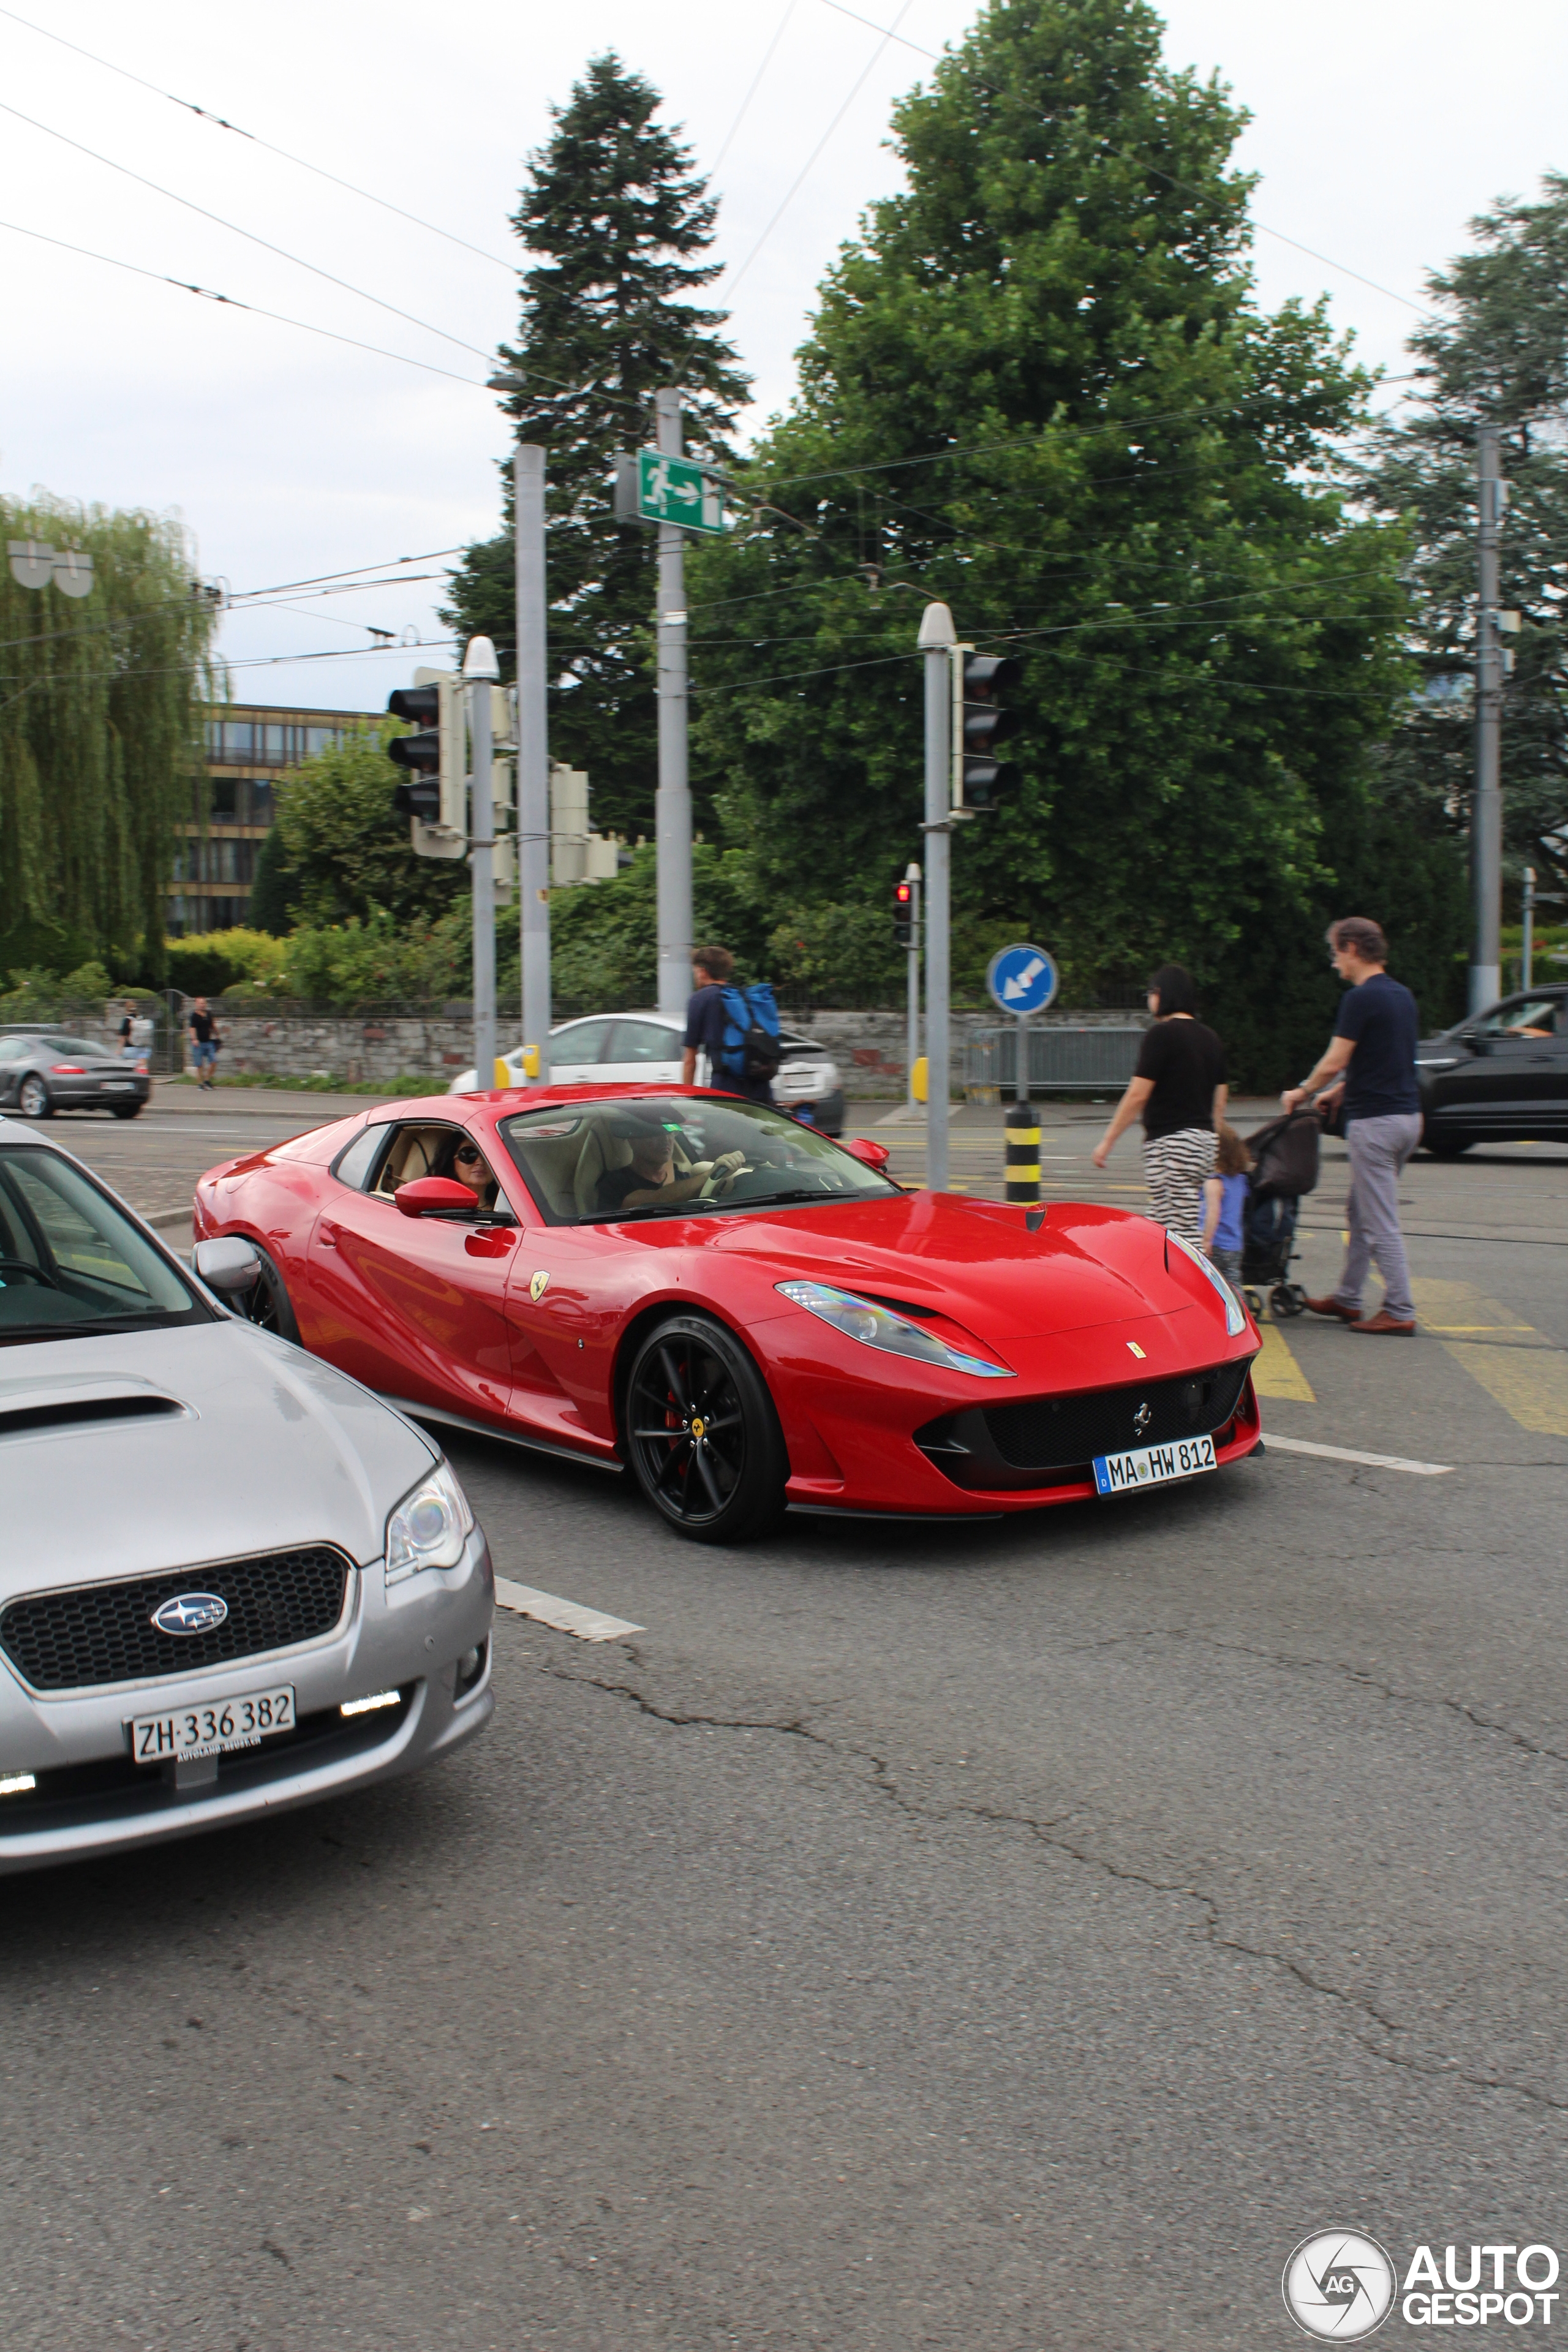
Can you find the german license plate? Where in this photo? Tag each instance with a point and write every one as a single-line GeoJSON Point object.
{"type": "Point", "coordinates": [1153, 1465]}
{"type": "Point", "coordinates": [215, 1730]}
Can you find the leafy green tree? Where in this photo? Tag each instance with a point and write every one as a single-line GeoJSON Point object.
{"type": "Point", "coordinates": [1039, 388]}
{"type": "Point", "coordinates": [345, 851]}
{"type": "Point", "coordinates": [1497, 355]}
{"type": "Point", "coordinates": [272, 889]}
{"type": "Point", "coordinates": [100, 712]}
{"type": "Point", "coordinates": [604, 936]}
{"type": "Point", "coordinates": [620, 225]}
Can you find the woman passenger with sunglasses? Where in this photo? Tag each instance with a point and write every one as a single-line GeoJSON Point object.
{"type": "Point", "coordinates": [470, 1167]}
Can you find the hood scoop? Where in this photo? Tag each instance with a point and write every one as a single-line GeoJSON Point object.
{"type": "Point", "coordinates": [31, 1410]}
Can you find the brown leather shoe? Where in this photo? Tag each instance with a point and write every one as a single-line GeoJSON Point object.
{"type": "Point", "coordinates": [1333, 1307]}
{"type": "Point", "coordinates": [1383, 1324]}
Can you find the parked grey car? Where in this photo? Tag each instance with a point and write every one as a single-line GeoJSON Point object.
{"type": "Point", "coordinates": [43, 1071]}
{"type": "Point", "coordinates": [233, 1579]}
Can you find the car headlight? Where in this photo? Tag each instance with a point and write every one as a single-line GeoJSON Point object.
{"type": "Point", "coordinates": [1235, 1319]}
{"type": "Point", "coordinates": [429, 1526]}
{"type": "Point", "coordinates": [878, 1327]}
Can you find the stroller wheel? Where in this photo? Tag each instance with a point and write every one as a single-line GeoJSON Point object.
{"type": "Point", "coordinates": [1254, 1304]}
{"type": "Point", "coordinates": [1286, 1299]}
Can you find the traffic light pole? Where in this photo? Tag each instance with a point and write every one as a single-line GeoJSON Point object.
{"type": "Point", "coordinates": [912, 876]}
{"type": "Point", "coordinates": [935, 642]}
{"type": "Point", "coordinates": [532, 753]}
{"type": "Point", "coordinates": [672, 806]}
{"type": "Point", "coordinates": [480, 670]}
{"type": "Point", "coordinates": [1486, 805]}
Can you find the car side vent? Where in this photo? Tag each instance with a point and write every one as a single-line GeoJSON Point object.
{"type": "Point", "coordinates": [67, 1413]}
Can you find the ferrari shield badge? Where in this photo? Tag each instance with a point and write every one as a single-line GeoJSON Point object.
{"type": "Point", "coordinates": [538, 1285]}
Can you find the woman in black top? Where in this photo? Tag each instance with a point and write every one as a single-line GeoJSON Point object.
{"type": "Point", "coordinates": [1179, 1086]}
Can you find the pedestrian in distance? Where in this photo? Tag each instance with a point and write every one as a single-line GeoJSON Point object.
{"type": "Point", "coordinates": [1371, 1053]}
{"type": "Point", "coordinates": [1225, 1204]}
{"type": "Point", "coordinates": [129, 1050]}
{"type": "Point", "coordinates": [205, 1044]}
{"type": "Point", "coordinates": [737, 1028]}
{"type": "Point", "coordinates": [1179, 1089]}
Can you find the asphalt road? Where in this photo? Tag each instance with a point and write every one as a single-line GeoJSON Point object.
{"type": "Point", "coordinates": [1013, 1936]}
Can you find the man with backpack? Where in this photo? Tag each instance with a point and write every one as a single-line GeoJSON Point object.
{"type": "Point", "coordinates": [737, 1028]}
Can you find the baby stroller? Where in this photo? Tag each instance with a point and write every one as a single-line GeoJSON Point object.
{"type": "Point", "coordinates": [1284, 1166]}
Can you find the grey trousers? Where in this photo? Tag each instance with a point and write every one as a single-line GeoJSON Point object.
{"type": "Point", "coordinates": [1379, 1149]}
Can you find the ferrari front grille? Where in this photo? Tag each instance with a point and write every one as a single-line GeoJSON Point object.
{"type": "Point", "coordinates": [1043, 1441]}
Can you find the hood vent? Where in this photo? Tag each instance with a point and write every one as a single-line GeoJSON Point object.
{"type": "Point", "coordinates": [60, 1412]}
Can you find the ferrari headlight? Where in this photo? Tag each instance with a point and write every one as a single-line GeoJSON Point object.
{"type": "Point", "coordinates": [429, 1526]}
{"type": "Point", "coordinates": [1234, 1320]}
{"type": "Point", "coordinates": [879, 1327]}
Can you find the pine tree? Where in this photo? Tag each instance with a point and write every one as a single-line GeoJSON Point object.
{"type": "Point", "coordinates": [620, 225]}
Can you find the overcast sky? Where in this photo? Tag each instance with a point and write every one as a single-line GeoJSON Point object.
{"type": "Point", "coordinates": [1378, 130]}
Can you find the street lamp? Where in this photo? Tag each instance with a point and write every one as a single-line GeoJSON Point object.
{"type": "Point", "coordinates": [533, 737]}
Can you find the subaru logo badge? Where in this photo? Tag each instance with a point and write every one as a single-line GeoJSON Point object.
{"type": "Point", "coordinates": [191, 1613]}
{"type": "Point", "coordinates": [1142, 1418]}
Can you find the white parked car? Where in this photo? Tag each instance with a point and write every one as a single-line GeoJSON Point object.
{"type": "Point", "coordinates": [645, 1049]}
{"type": "Point", "coordinates": [233, 1579]}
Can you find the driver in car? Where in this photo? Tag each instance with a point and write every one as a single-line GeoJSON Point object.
{"type": "Point", "coordinates": [651, 1182]}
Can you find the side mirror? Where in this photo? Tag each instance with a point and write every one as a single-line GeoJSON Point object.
{"type": "Point", "coordinates": [227, 1263]}
{"type": "Point", "coordinates": [430, 1196]}
{"type": "Point", "coordinates": [875, 1155]}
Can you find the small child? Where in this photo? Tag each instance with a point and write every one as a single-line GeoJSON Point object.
{"type": "Point", "coordinates": [1225, 1203]}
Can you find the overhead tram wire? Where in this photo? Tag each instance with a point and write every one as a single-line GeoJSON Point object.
{"type": "Point", "coordinates": [745, 108]}
{"type": "Point", "coordinates": [1189, 187]}
{"type": "Point", "coordinates": [220, 123]}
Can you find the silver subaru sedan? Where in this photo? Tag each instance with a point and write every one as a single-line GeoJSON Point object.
{"type": "Point", "coordinates": [231, 1579]}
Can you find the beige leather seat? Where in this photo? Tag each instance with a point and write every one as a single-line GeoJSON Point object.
{"type": "Point", "coordinates": [600, 1153]}
{"type": "Point", "coordinates": [414, 1153]}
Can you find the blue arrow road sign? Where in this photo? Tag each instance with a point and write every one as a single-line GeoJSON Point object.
{"type": "Point", "coordinates": [1021, 980]}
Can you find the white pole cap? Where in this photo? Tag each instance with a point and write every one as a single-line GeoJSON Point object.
{"type": "Point", "coordinates": [937, 632]}
{"type": "Point", "coordinates": [479, 661]}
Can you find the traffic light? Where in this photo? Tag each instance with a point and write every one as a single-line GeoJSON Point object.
{"type": "Point", "coordinates": [903, 914]}
{"type": "Point", "coordinates": [435, 799]}
{"type": "Point", "coordinates": [981, 724]}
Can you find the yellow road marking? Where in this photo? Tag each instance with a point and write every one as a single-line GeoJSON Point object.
{"type": "Point", "coordinates": [1516, 1365]}
{"type": "Point", "coordinates": [1276, 1373]}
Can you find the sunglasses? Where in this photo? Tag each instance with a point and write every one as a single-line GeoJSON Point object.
{"type": "Point", "coordinates": [466, 1154]}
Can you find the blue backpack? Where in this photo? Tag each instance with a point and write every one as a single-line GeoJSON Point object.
{"type": "Point", "coordinates": [750, 1048]}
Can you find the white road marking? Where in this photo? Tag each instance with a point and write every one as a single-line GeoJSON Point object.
{"type": "Point", "coordinates": [1347, 1453]}
{"type": "Point", "coordinates": [566, 1616]}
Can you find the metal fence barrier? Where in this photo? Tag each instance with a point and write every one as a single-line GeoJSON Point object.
{"type": "Point", "coordinates": [1062, 1060]}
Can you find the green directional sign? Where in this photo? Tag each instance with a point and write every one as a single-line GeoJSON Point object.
{"type": "Point", "coordinates": [652, 487]}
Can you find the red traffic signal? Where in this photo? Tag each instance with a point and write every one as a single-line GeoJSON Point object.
{"type": "Point", "coordinates": [903, 913]}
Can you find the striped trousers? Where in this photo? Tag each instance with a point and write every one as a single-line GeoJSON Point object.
{"type": "Point", "coordinates": [1176, 1166]}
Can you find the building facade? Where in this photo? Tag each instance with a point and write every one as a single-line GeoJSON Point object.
{"type": "Point", "coordinates": [250, 747]}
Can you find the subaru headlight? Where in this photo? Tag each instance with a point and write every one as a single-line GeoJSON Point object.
{"type": "Point", "coordinates": [429, 1526]}
{"type": "Point", "coordinates": [1235, 1317]}
{"type": "Point", "coordinates": [879, 1327]}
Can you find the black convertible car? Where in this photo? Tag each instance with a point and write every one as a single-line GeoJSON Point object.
{"type": "Point", "coordinates": [1499, 1077]}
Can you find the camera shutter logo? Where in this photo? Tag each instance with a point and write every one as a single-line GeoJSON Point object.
{"type": "Point", "coordinates": [1339, 2285]}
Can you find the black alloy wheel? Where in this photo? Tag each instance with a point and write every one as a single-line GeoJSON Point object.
{"type": "Point", "coordinates": [33, 1097]}
{"type": "Point", "coordinates": [1447, 1146]}
{"type": "Point", "coordinates": [125, 1110]}
{"type": "Point", "coordinates": [266, 1304]}
{"type": "Point", "coordinates": [702, 1433]}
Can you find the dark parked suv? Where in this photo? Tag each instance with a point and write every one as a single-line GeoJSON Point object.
{"type": "Point", "coordinates": [1500, 1077]}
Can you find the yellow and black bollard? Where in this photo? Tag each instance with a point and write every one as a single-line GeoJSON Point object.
{"type": "Point", "coordinates": [1023, 1153]}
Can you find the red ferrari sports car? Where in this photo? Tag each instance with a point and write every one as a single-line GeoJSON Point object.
{"type": "Point", "coordinates": [742, 1312]}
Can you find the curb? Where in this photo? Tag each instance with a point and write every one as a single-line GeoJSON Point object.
{"type": "Point", "coordinates": [160, 1219]}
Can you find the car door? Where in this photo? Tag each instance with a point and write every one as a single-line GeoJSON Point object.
{"type": "Point", "coordinates": [414, 1306]}
{"type": "Point", "coordinates": [577, 1053]}
{"type": "Point", "coordinates": [1509, 1083]}
{"type": "Point", "coordinates": [642, 1052]}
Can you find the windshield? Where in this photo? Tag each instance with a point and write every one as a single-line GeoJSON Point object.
{"type": "Point", "coordinates": [671, 1156]}
{"type": "Point", "coordinates": [71, 1262]}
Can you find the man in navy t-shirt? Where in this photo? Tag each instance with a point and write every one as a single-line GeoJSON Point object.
{"type": "Point", "coordinates": [1372, 1051]}
{"type": "Point", "coordinates": [713, 969]}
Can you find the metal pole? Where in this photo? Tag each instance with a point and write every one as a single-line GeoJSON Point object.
{"type": "Point", "coordinates": [936, 640]}
{"type": "Point", "coordinates": [1485, 807]}
{"type": "Point", "coordinates": [1021, 1076]}
{"type": "Point", "coordinates": [1527, 943]}
{"type": "Point", "coordinates": [532, 753]}
{"type": "Point", "coordinates": [672, 806]}
{"type": "Point", "coordinates": [481, 862]}
{"type": "Point", "coordinates": [912, 876]}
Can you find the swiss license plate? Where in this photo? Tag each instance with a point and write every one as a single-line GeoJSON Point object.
{"type": "Point", "coordinates": [1153, 1465]}
{"type": "Point", "coordinates": [118, 1086]}
{"type": "Point", "coordinates": [215, 1730]}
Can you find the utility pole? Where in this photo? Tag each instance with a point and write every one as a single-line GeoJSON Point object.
{"type": "Point", "coordinates": [912, 876]}
{"type": "Point", "coordinates": [480, 671]}
{"type": "Point", "coordinates": [1486, 805]}
{"type": "Point", "coordinates": [1527, 943]}
{"type": "Point", "coordinates": [672, 806]}
{"type": "Point", "coordinates": [936, 640]}
{"type": "Point", "coordinates": [532, 755]}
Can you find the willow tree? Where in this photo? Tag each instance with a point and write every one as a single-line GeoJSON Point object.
{"type": "Point", "coordinates": [101, 714]}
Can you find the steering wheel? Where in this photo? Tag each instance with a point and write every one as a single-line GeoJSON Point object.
{"type": "Point", "coordinates": [713, 1185]}
{"type": "Point", "coordinates": [29, 1273]}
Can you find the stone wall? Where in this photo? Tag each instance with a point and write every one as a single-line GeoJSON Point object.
{"type": "Point", "coordinates": [869, 1047]}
